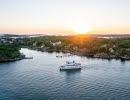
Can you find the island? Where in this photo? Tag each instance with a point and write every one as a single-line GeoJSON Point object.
{"type": "Point", "coordinates": [84, 45]}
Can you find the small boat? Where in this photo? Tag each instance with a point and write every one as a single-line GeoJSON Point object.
{"type": "Point", "coordinates": [28, 58]}
{"type": "Point", "coordinates": [126, 58]}
{"type": "Point", "coordinates": [70, 65]}
{"type": "Point", "coordinates": [59, 56]}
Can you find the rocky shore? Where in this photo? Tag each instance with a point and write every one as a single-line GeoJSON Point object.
{"type": "Point", "coordinates": [22, 56]}
{"type": "Point", "coordinates": [99, 55]}
{"type": "Point", "coordinates": [10, 60]}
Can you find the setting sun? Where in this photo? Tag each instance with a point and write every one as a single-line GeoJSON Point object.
{"type": "Point", "coordinates": [81, 28]}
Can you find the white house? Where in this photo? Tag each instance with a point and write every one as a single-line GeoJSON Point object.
{"type": "Point", "coordinates": [75, 48]}
{"type": "Point", "coordinates": [104, 46]}
{"type": "Point", "coordinates": [35, 44]}
{"type": "Point", "coordinates": [43, 45]}
{"type": "Point", "coordinates": [111, 50]}
{"type": "Point", "coordinates": [56, 43]}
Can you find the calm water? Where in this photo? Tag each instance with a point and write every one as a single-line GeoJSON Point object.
{"type": "Point", "coordinates": [40, 79]}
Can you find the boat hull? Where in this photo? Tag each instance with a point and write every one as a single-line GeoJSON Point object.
{"type": "Point", "coordinates": [69, 67]}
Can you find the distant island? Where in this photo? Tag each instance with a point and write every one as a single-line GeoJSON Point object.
{"type": "Point", "coordinates": [97, 47]}
{"type": "Point", "coordinates": [105, 47]}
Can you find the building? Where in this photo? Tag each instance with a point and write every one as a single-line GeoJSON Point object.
{"type": "Point", "coordinates": [43, 45]}
{"type": "Point", "coordinates": [57, 43]}
{"type": "Point", "coordinates": [75, 48]}
{"type": "Point", "coordinates": [111, 50]}
{"type": "Point", "coordinates": [35, 44]}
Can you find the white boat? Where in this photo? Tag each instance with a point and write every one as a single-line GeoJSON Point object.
{"type": "Point", "coordinates": [70, 65]}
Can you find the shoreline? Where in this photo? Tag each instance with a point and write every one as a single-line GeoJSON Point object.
{"type": "Point", "coordinates": [21, 56]}
{"type": "Point", "coordinates": [10, 60]}
{"type": "Point", "coordinates": [81, 54]}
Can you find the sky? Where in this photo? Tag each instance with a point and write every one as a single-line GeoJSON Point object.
{"type": "Point", "coordinates": [62, 16]}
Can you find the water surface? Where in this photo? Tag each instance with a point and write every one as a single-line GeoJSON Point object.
{"type": "Point", "coordinates": [40, 78]}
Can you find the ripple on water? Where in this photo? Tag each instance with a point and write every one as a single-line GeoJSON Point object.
{"type": "Point", "coordinates": [40, 79]}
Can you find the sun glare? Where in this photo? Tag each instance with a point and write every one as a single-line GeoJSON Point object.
{"type": "Point", "coordinates": [81, 29]}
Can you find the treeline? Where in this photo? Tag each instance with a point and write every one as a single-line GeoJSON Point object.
{"type": "Point", "coordinates": [81, 43]}
{"type": "Point", "coordinates": [84, 45]}
{"type": "Point", "coordinates": [9, 51]}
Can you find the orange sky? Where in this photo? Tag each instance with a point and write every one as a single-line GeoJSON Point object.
{"type": "Point", "coordinates": [65, 16]}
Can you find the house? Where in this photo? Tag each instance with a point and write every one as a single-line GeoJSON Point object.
{"type": "Point", "coordinates": [114, 46]}
{"type": "Point", "coordinates": [56, 43]}
{"type": "Point", "coordinates": [111, 50]}
{"type": "Point", "coordinates": [4, 41]}
{"type": "Point", "coordinates": [104, 46]}
{"type": "Point", "coordinates": [10, 42]}
{"type": "Point", "coordinates": [43, 45]}
{"type": "Point", "coordinates": [35, 44]}
{"type": "Point", "coordinates": [68, 46]}
{"type": "Point", "coordinates": [75, 48]}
